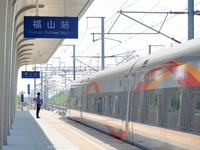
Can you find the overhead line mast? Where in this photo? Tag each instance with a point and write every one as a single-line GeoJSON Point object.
{"type": "Point", "coordinates": [190, 13]}
{"type": "Point", "coordinates": [190, 19]}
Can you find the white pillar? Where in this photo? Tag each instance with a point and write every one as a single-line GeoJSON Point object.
{"type": "Point", "coordinates": [13, 71]}
{"type": "Point", "coordinates": [3, 10]}
{"type": "Point", "coordinates": [7, 81]}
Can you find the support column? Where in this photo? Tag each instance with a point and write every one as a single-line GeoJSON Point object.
{"type": "Point", "coordinates": [190, 19]}
{"type": "Point", "coordinates": [35, 83]}
{"type": "Point", "coordinates": [7, 81]}
{"type": "Point", "coordinates": [41, 85]}
{"type": "Point", "coordinates": [13, 72]}
{"type": "Point", "coordinates": [102, 45]}
{"type": "Point", "coordinates": [74, 63]}
{"type": "Point", "coordinates": [102, 42]}
{"type": "Point", "coordinates": [3, 15]}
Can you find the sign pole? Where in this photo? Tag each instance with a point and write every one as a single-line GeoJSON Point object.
{"type": "Point", "coordinates": [66, 6]}
{"type": "Point", "coordinates": [37, 5]}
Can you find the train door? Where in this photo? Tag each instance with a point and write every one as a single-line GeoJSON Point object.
{"type": "Point", "coordinates": [130, 105]}
{"type": "Point", "coordinates": [130, 97]}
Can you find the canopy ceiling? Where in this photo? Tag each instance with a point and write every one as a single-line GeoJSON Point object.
{"type": "Point", "coordinates": [39, 51]}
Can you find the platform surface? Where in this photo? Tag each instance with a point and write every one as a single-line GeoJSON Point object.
{"type": "Point", "coordinates": [54, 132]}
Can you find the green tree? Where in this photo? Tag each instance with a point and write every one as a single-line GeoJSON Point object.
{"type": "Point", "coordinates": [18, 101]}
{"type": "Point", "coordinates": [60, 98]}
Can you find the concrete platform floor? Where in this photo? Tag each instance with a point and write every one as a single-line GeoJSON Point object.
{"type": "Point", "coordinates": [54, 132]}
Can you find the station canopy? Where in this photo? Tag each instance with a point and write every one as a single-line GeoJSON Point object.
{"type": "Point", "coordinates": [40, 50]}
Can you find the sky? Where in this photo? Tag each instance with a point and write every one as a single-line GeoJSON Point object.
{"type": "Point", "coordinates": [121, 39]}
{"type": "Point", "coordinates": [175, 27]}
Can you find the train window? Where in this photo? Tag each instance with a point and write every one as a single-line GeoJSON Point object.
{"type": "Point", "coordinates": [95, 104]}
{"type": "Point", "coordinates": [90, 103]}
{"type": "Point", "coordinates": [76, 102]}
{"type": "Point", "coordinates": [153, 102]}
{"type": "Point", "coordinates": [120, 83]}
{"type": "Point", "coordinates": [117, 107]}
{"type": "Point", "coordinates": [151, 110]}
{"type": "Point", "coordinates": [148, 79]}
{"type": "Point", "coordinates": [100, 104]}
{"type": "Point", "coordinates": [105, 105]}
{"type": "Point", "coordinates": [87, 103]}
{"type": "Point", "coordinates": [111, 105]}
{"type": "Point", "coordinates": [175, 104]}
{"type": "Point", "coordinates": [171, 109]}
{"type": "Point", "coordinates": [145, 62]}
{"type": "Point", "coordinates": [114, 106]}
{"type": "Point", "coordinates": [197, 110]}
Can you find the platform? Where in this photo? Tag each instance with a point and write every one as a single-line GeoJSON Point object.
{"type": "Point", "coordinates": [54, 132]}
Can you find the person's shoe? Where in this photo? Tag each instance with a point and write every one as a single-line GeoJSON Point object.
{"type": "Point", "coordinates": [38, 117]}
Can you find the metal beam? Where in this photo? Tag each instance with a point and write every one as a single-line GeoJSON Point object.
{"type": "Point", "coordinates": [145, 12]}
{"type": "Point", "coordinates": [151, 28]}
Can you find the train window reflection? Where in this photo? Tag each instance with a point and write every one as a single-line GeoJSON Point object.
{"type": "Point", "coordinates": [95, 104]}
{"type": "Point", "coordinates": [87, 103]}
{"type": "Point", "coordinates": [197, 110]}
{"type": "Point", "coordinates": [175, 104]}
{"type": "Point", "coordinates": [76, 104]}
{"type": "Point", "coordinates": [111, 105]}
{"type": "Point", "coordinates": [152, 108]}
{"type": "Point", "coordinates": [117, 107]}
{"type": "Point", "coordinates": [100, 104]}
{"type": "Point", "coordinates": [172, 112]}
{"type": "Point", "coordinates": [153, 102]}
{"type": "Point", "coordinates": [148, 79]}
{"type": "Point", "coordinates": [195, 114]}
{"type": "Point", "coordinates": [120, 83]}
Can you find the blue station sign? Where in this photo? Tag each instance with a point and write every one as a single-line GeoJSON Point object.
{"type": "Point", "coordinates": [30, 74]}
{"type": "Point", "coordinates": [50, 27]}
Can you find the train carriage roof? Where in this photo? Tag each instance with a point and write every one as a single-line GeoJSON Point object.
{"type": "Point", "coordinates": [187, 49]}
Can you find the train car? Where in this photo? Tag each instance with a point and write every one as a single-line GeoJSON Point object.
{"type": "Point", "coordinates": [152, 102]}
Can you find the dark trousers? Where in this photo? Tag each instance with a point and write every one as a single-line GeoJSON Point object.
{"type": "Point", "coordinates": [38, 110]}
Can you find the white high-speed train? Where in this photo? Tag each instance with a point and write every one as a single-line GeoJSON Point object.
{"type": "Point", "coordinates": [152, 102]}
